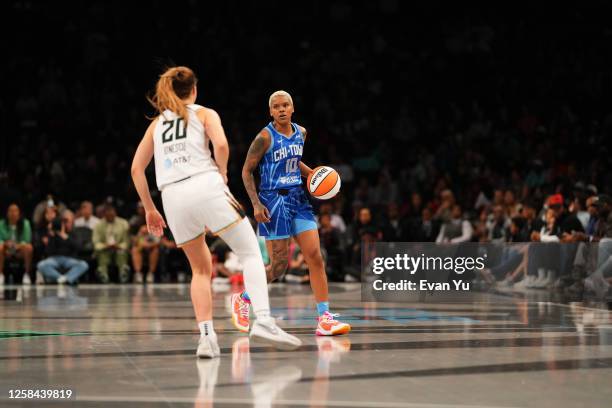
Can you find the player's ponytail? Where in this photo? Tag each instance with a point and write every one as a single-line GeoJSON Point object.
{"type": "Point", "coordinates": [174, 85]}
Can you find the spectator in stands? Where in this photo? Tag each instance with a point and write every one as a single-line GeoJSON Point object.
{"type": "Point", "coordinates": [144, 244]}
{"type": "Point", "coordinates": [137, 220]}
{"type": "Point", "coordinates": [61, 252]}
{"type": "Point", "coordinates": [16, 241]}
{"type": "Point", "coordinates": [111, 243]}
{"type": "Point", "coordinates": [567, 225]}
{"type": "Point", "coordinates": [171, 259]}
{"type": "Point", "coordinates": [511, 207]}
{"type": "Point", "coordinates": [336, 220]}
{"type": "Point", "coordinates": [423, 229]}
{"type": "Point", "coordinates": [364, 220]}
{"type": "Point", "coordinates": [86, 218]}
{"type": "Point", "coordinates": [592, 209]}
{"type": "Point", "coordinates": [82, 232]}
{"type": "Point", "coordinates": [457, 229]}
{"type": "Point", "coordinates": [497, 225]}
{"type": "Point", "coordinates": [41, 232]}
{"type": "Point", "coordinates": [416, 205]}
{"type": "Point", "coordinates": [601, 280]}
{"type": "Point", "coordinates": [297, 271]}
{"type": "Point", "coordinates": [603, 229]}
{"type": "Point", "coordinates": [530, 213]}
{"type": "Point", "coordinates": [579, 208]}
{"type": "Point", "coordinates": [394, 228]}
{"type": "Point", "coordinates": [498, 197]}
{"type": "Point", "coordinates": [444, 211]}
{"type": "Point", "coordinates": [553, 260]}
{"type": "Point", "coordinates": [40, 209]}
{"type": "Point", "coordinates": [518, 230]}
{"type": "Point", "coordinates": [481, 232]}
{"type": "Point", "coordinates": [549, 231]}
{"type": "Point", "coordinates": [362, 225]}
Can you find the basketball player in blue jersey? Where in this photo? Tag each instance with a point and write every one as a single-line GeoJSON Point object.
{"type": "Point", "coordinates": [283, 211]}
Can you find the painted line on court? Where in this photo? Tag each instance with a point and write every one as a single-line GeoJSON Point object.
{"type": "Point", "coordinates": [250, 402]}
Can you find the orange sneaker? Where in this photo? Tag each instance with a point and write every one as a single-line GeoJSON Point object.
{"type": "Point", "coordinates": [328, 326]}
{"type": "Point", "coordinates": [240, 313]}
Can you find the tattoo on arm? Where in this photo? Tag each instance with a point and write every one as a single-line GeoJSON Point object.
{"type": "Point", "coordinates": [256, 151]}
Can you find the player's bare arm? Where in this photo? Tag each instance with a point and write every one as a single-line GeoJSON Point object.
{"type": "Point", "coordinates": [214, 130]}
{"type": "Point", "coordinates": [258, 148]}
{"type": "Point", "coordinates": [305, 170]}
{"type": "Point", "coordinates": [142, 158]}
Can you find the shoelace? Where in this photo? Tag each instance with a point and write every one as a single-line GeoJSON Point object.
{"type": "Point", "coordinates": [330, 317]}
{"type": "Point", "coordinates": [244, 310]}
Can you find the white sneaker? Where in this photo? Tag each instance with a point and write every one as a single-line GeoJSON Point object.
{"type": "Point", "coordinates": [138, 277]}
{"type": "Point", "coordinates": [548, 280]}
{"type": "Point", "coordinates": [266, 330]}
{"type": "Point", "coordinates": [208, 347]}
{"type": "Point", "coordinates": [26, 279]}
{"type": "Point", "coordinates": [150, 277]}
{"type": "Point", "coordinates": [598, 285]}
{"type": "Point", "coordinates": [525, 283]}
{"type": "Point", "coordinates": [62, 279]}
{"type": "Point", "coordinates": [1, 279]}
{"type": "Point", "coordinates": [535, 284]}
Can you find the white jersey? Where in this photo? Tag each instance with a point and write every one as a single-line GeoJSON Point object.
{"type": "Point", "coordinates": [180, 152]}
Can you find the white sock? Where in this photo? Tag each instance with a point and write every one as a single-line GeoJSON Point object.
{"type": "Point", "coordinates": [207, 329]}
{"type": "Point", "coordinates": [242, 241]}
{"type": "Point", "coordinates": [263, 315]}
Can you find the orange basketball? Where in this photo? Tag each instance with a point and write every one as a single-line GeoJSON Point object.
{"type": "Point", "coordinates": [323, 183]}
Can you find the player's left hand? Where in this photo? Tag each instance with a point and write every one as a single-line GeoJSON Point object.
{"type": "Point", "coordinates": [155, 223]}
{"type": "Point", "coordinates": [224, 175]}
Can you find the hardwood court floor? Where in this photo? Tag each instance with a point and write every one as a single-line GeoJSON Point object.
{"type": "Point", "coordinates": [134, 346]}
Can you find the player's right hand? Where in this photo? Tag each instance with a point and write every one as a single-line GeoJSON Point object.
{"type": "Point", "coordinates": [261, 213]}
{"type": "Point", "coordinates": [155, 223]}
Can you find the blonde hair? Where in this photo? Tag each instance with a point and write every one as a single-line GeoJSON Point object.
{"type": "Point", "coordinates": [279, 93]}
{"type": "Point", "coordinates": [173, 86]}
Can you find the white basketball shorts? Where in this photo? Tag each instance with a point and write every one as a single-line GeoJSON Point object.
{"type": "Point", "coordinates": [203, 200]}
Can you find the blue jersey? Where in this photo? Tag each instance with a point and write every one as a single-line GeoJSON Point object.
{"type": "Point", "coordinates": [280, 166]}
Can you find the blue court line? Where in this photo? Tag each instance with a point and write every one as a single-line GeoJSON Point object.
{"type": "Point", "coordinates": [309, 315]}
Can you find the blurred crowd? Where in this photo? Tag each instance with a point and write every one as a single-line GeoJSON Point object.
{"type": "Point", "coordinates": [465, 125]}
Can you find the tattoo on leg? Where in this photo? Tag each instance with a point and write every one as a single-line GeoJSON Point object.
{"type": "Point", "coordinates": [279, 263]}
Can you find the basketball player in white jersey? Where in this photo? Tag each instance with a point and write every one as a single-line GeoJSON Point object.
{"type": "Point", "coordinates": [195, 196]}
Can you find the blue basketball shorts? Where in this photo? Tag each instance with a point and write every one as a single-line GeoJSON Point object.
{"type": "Point", "coordinates": [290, 213]}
